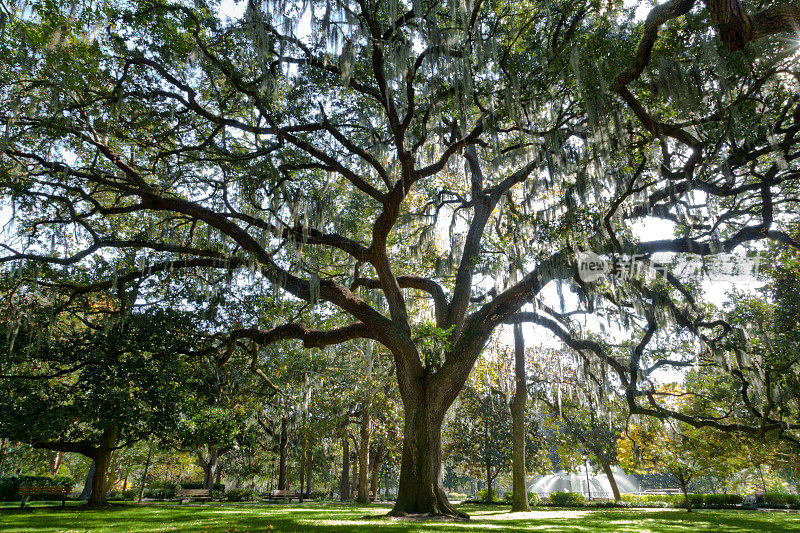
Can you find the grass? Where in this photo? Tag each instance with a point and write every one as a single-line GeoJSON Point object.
{"type": "Point", "coordinates": [317, 517]}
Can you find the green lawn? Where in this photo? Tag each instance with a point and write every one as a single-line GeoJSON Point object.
{"type": "Point", "coordinates": [312, 517]}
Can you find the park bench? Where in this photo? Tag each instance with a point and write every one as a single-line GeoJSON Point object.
{"type": "Point", "coordinates": [373, 496]}
{"type": "Point", "coordinates": [283, 495]}
{"type": "Point", "coordinates": [193, 494]}
{"type": "Point", "coordinates": [26, 491]}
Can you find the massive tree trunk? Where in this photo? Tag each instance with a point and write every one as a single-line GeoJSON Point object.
{"type": "Point", "coordinates": [101, 461]}
{"type": "Point", "coordinates": [363, 456]}
{"type": "Point", "coordinates": [420, 490]}
{"type": "Point", "coordinates": [344, 486]}
{"type": "Point", "coordinates": [284, 442]}
{"type": "Point", "coordinates": [518, 474]}
{"type": "Point", "coordinates": [611, 480]}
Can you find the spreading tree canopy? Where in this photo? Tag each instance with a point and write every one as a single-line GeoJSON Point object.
{"type": "Point", "coordinates": [415, 173]}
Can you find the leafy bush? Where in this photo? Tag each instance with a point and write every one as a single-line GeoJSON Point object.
{"type": "Point", "coordinates": [9, 486]}
{"type": "Point", "coordinates": [653, 500]}
{"type": "Point", "coordinates": [721, 501]}
{"type": "Point", "coordinates": [700, 501]}
{"type": "Point", "coordinates": [241, 495]}
{"type": "Point", "coordinates": [484, 496]}
{"type": "Point", "coordinates": [508, 497]}
{"type": "Point", "coordinates": [122, 495]}
{"type": "Point", "coordinates": [567, 499]}
{"type": "Point", "coordinates": [216, 494]}
{"type": "Point", "coordinates": [160, 491]}
{"type": "Point", "coordinates": [777, 500]}
{"type": "Point", "coordinates": [534, 499]}
{"type": "Point", "coordinates": [199, 485]}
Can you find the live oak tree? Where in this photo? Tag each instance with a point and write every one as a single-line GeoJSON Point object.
{"type": "Point", "coordinates": [90, 391]}
{"type": "Point", "coordinates": [325, 152]}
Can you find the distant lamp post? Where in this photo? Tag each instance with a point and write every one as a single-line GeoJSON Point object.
{"type": "Point", "coordinates": [588, 485]}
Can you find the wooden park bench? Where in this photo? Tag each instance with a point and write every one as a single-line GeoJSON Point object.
{"type": "Point", "coordinates": [283, 495]}
{"type": "Point", "coordinates": [58, 491]}
{"type": "Point", "coordinates": [193, 494]}
{"type": "Point", "coordinates": [373, 496]}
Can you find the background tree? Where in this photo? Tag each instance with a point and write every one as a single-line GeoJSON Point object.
{"type": "Point", "coordinates": [91, 391]}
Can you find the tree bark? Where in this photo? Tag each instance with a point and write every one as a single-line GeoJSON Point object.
{"type": "Point", "coordinates": [101, 461]}
{"type": "Point", "coordinates": [284, 442]}
{"type": "Point", "coordinates": [685, 489]}
{"type": "Point", "coordinates": [363, 456]}
{"type": "Point", "coordinates": [354, 474]}
{"type": "Point", "coordinates": [309, 469]}
{"type": "Point", "coordinates": [420, 488]}
{"type": "Point", "coordinates": [344, 486]}
{"type": "Point", "coordinates": [376, 471]}
{"type": "Point", "coordinates": [2, 454]}
{"type": "Point", "coordinates": [86, 493]}
{"type": "Point", "coordinates": [489, 480]}
{"type": "Point", "coordinates": [56, 464]}
{"type": "Point", "coordinates": [146, 468]}
{"type": "Point", "coordinates": [518, 474]}
{"type": "Point", "coordinates": [611, 480]}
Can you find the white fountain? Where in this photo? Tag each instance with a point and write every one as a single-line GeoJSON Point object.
{"type": "Point", "coordinates": [598, 486]}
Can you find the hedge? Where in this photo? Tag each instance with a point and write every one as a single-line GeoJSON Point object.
{"type": "Point", "coordinates": [9, 486]}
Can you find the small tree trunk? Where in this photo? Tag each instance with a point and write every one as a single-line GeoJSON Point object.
{"type": "Point", "coordinates": [309, 469]}
{"type": "Point", "coordinates": [488, 480]}
{"type": "Point", "coordinates": [146, 468]}
{"type": "Point", "coordinates": [376, 471]}
{"type": "Point", "coordinates": [420, 488]}
{"type": "Point", "coordinates": [611, 480]}
{"type": "Point", "coordinates": [685, 489]}
{"type": "Point", "coordinates": [210, 466]}
{"type": "Point", "coordinates": [284, 442]}
{"type": "Point", "coordinates": [363, 457]}
{"type": "Point", "coordinates": [354, 474]}
{"type": "Point", "coordinates": [102, 460]}
{"type": "Point", "coordinates": [56, 464]}
{"type": "Point", "coordinates": [218, 474]}
{"type": "Point", "coordinates": [344, 486]}
{"type": "Point", "coordinates": [86, 493]}
{"type": "Point", "coordinates": [518, 474]}
{"type": "Point", "coordinates": [2, 454]}
{"type": "Point", "coordinates": [302, 461]}
{"type": "Point", "coordinates": [386, 483]}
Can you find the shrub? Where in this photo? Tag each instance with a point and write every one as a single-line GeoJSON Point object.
{"type": "Point", "coordinates": [567, 499]}
{"type": "Point", "coordinates": [534, 499]}
{"type": "Point", "coordinates": [122, 495]}
{"type": "Point", "coordinates": [777, 500]}
{"type": "Point", "coordinates": [9, 486]}
{"type": "Point", "coordinates": [241, 495]}
{"type": "Point", "coordinates": [721, 501]}
{"type": "Point", "coordinates": [484, 496]}
{"type": "Point", "coordinates": [191, 484]}
{"type": "Point", "coordinates": [160, 491]}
